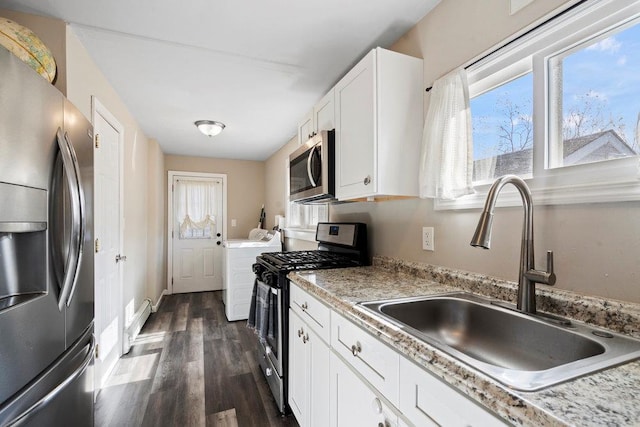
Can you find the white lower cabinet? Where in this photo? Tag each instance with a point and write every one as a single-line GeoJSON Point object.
{"type": "Point", "coordinates": [353, 402]}
{"type": "Point", "coordinates": [369, 356]}
{"type": "Point", "coordinates": [349, 377]}
{"type": "Point", "coordinates": [308, 373]}
{"type": "Point", "coordinates": [298, 371]}
{"type": "Point", "coordinates": [425, 400]}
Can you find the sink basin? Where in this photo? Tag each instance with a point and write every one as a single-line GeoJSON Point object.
{"type": "Point", "coordinates": [522, 351]}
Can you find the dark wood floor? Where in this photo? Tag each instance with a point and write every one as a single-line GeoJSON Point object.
{"type": "Point", "coordinates": [189, 367]}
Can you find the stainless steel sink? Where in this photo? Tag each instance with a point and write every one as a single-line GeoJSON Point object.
{"type": "Point", "coordinates": [525, 352]}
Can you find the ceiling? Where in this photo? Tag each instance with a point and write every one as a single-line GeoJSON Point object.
{"type": "Point", "coordinates": [257, 66]}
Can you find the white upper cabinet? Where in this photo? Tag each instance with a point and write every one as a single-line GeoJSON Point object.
{"type": "Point", "coordinates": [305, 128]}
{"type": "Point", "coordinates": [322, 117]}
{"type": "Point", "coordinates": [378, 121]}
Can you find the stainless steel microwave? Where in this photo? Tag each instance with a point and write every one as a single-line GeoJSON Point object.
{"type": "Point", "coordinates": [312, 169]}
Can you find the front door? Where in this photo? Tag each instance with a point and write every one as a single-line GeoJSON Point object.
{"type": "Point", "coordinates": [197, 233]}
{"type": "Point", "coordinates": [108, 303]}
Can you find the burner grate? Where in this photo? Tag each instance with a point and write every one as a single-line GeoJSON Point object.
{"type": "Point", "coordinates": [307, 260]}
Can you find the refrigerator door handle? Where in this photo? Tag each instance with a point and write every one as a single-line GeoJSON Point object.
{"type": "Point", "coordinates": [76, 202]}
{"type": "Point", "coordinates": [33, 409]}
{"type": "Point", "coordinates": [81, 218]}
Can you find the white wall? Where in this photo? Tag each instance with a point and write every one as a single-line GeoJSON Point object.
{"type": "Point", "coordinates": [275, 178]}
{"type": "Point", "coordinates": [156, 232]}
{"type": "Point", "coordinates": [84, 80]}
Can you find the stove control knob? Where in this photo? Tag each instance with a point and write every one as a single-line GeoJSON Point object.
{"type": "Point", "coordinates": [269, 278]}
{"type": "Point", "coordinates": [268, 372]}
{"type": "Point", "coordinates": [257, 269]}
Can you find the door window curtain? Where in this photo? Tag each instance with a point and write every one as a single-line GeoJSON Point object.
{"type": "Point", "coordinates": [446, 160]}
{"type": "Point", "coordinates": [196, 204]}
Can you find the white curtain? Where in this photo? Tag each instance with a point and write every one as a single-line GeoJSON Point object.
{"type": "Point", "coordinates": [195, 208]}
{"type": "Point", "coordinates": [446, 161]}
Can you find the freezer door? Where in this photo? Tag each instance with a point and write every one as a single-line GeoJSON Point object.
{"type": "Point", "coordinates": [60, 396]}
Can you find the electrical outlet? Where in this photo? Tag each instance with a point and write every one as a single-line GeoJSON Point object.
{"type": "Point", "coordinates": [427, 239]}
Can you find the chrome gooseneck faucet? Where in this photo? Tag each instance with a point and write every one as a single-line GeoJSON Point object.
{"type": "Point", "coordinates": [528, 276]}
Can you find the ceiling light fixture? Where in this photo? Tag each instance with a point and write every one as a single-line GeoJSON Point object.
{"type": "Point", "coordinates": [209, 127]}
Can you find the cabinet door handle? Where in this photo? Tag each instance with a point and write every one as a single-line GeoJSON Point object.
{"type": "Point", "coordinates": [356, 349]}
{"type": "Point", "coordinates": [300, 332]}
{"type": "Point", "coordinates": [305, 339]}
{"type": "Point", "coordinates": [367, 180]}
{"type": "Point", "coordinates": [304, 306]}
{"type": "Point", "coordinates": [376, 405]}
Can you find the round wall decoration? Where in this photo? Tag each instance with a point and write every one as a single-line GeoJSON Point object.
{"type": "Point", "coordinates": [24, 44]}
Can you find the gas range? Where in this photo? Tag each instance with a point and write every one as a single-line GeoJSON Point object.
{"type": "Point", "coordinates": [340, 245]}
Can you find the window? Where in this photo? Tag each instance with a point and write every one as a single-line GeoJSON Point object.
{"type": "Point", "coordinates": [502, 123]}
{"type": "Point", "coordinates": [196, 207]}
{"type": "Point", "coordinates": [306, 216]}
{"type": "Point", "coordinates": [560, 107]}
{"type": "Point", "coordinates": [595, 89]}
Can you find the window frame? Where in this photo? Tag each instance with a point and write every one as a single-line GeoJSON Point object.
{"type": "Point", "coordinates": [610, 181]}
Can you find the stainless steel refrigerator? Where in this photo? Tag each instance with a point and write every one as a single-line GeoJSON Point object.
{"type": "Point", "coordinates": [46, 253]}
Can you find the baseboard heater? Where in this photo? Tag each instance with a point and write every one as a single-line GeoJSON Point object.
{"type": "Point", "coordinates": [136, 325]}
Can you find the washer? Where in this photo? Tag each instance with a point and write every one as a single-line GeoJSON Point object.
{"type": "Point", "coordinates": [238, 277]}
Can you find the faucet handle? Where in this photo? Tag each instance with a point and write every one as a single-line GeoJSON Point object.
{"type": "Point", "coordinates": [545, 277]}
{"type": "Point", "coordinates": [552, 275]}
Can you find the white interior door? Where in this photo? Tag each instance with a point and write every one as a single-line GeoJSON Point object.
{"type": "Point", "coordinates": [197, 234]}
{"type": "Point", "coordinates": [108, 305]}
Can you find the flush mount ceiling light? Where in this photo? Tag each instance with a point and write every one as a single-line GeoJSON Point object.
{"type": "Point", "coordinates": [209, 127]}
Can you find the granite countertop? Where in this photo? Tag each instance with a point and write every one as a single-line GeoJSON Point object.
{"type": "Point", "coordinates": [607, 398]}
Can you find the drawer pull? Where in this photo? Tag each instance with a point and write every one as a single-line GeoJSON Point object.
{"type": "Point", "coordinates": [356, 349]}
{"type": "Point", "coordinates": [300, 332]}
{"type": "Point", "coordinates": [304, 306]}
